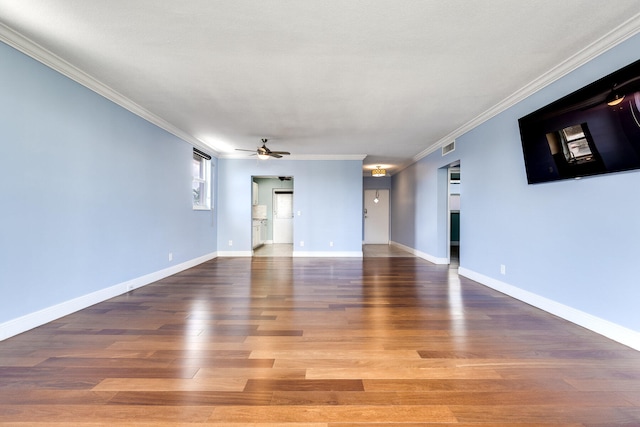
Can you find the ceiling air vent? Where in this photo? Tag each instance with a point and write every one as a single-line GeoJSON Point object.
{"type": "Point", "coordinates": [446, 149]}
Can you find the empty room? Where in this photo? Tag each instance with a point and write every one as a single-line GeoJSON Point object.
{"type": "Point", "coordinates": [319, 213]}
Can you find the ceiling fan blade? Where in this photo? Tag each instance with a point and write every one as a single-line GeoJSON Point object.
{"type": "Point", "coordinates": [242, 149]}
{"type": "Point", "coordinates": [264, 151]}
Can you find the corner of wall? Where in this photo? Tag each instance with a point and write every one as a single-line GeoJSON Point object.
{"type": "Point", "coordinates": [33, 320]}
{"type": "Point", "coordinates": [600, 326]}
{"type": "Point", "coordinates": [425, 256]}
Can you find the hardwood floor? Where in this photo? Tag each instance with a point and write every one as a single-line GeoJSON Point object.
{"type": "Point", "coordinates": [274, 250]}
{"type": "Point", "coordinates": [316, 342]}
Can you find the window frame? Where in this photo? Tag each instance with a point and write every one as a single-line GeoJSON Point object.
{"type": "Point", "coordinates": [202, 180]}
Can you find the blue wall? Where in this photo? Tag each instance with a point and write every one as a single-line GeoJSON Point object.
{"type": "Point", "coordinates": [419, 207]}
{"type": "Point", "coordinates": [376, 183]}
{"type": "Point", "coordinates": [573, 242]}
{"type": "Point", "coordinates": [328, 195]}
{"type": "Point", "coordinates": [92, 195]}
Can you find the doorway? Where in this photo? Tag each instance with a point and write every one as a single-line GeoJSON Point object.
{"type": "Point", "coordinates": [272, 204]}
{"type": "Point", "coordinates": [376, 217]}
{"type": "Point", "coordinates": [282, 216]}
{"type": "Point", "coordinates": [453, 207]}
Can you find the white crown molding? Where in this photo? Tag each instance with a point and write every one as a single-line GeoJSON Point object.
{"type": "Point", "coordinates": [616, 36]}
{"type": "Point", "coordinates": [40, 54]}
{"type": "Point", "coordinates": [619, 34]}
{"type": "Point", "coordinates": [357, 157]}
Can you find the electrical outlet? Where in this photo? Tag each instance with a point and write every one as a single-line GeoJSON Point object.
{"type": "Point", "coordinates": [301, 243]}
{"type": "Point", "coordinates": [230, 242]}
{"type": "Point", "coordinates": [330, 244]}
{"type": "Point", "coordinates": [503, 269]}
{"type": "Point", "coordinates": [170, 256]}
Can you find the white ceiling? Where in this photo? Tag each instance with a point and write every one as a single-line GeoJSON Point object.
{"type": "Point", "coordinates": [389, 79]}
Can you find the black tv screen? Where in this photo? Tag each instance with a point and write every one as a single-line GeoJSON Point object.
{"type": "Point", "coordinates": [592, 131]}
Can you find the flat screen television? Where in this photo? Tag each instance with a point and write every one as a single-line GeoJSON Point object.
{"type": "Point", "coordinates": [592, 131]}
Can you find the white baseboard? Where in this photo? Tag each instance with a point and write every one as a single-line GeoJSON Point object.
{"type": "Point", "coordinates": [603, 327]}
{"type": "Point", "coordinates": [235, 253]}
{"type": "Point", "coordinates": [425, 256]}
{"type": "Point", "coordinates": [310, 254]}
{"type": "Point", "coordinates": [335, 254]}
{"type": "Point", "coordinates": [32, 320]}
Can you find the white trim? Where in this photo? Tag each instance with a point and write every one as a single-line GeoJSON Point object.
{"type": "Point", "coordinates": [237, 156]}
{"type": "Point", "coordinates": [32, 320]}
{"type": "Point", "coordinates": [624, 31]}
{"type": "Point", "coordinates": [358, 157]}
{"type": "Point", "coordinates": [603, 327]}
{"type": "Point", "coordinates": [425, 256]}
{"type": "Point", "coordinates": [235, 253]}
{"type": "Point", "coordinates": [42, 55]}
{"type": "Point", "coordinates": [616, 36]}
{"type": "Point", "coordinates": [324, 254]}
{"type": "Point", "coordinates": [314, 254]}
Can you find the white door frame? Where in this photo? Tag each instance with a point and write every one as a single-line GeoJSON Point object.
{"type": "Point", "coordinates": [451, 169]}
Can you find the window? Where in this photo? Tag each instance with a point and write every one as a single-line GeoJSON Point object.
{"type": "Point", "coordinates": [201, 171]}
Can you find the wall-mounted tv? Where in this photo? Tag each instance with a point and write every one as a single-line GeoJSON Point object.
{"type": "Point", "coordinates": [592, 131]}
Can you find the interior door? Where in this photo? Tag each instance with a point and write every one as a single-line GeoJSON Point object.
{"type": "Point", "coordinates": [376, 217]}
{"type": "Point", "coordinates": [283, 216]}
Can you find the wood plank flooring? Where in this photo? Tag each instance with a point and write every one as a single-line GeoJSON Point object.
{"type": "Point", "coordinates": [316, 342]}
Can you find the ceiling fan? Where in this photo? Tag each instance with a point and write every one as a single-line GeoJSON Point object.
{"type": "Point", "coordinates": [264, 152]}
